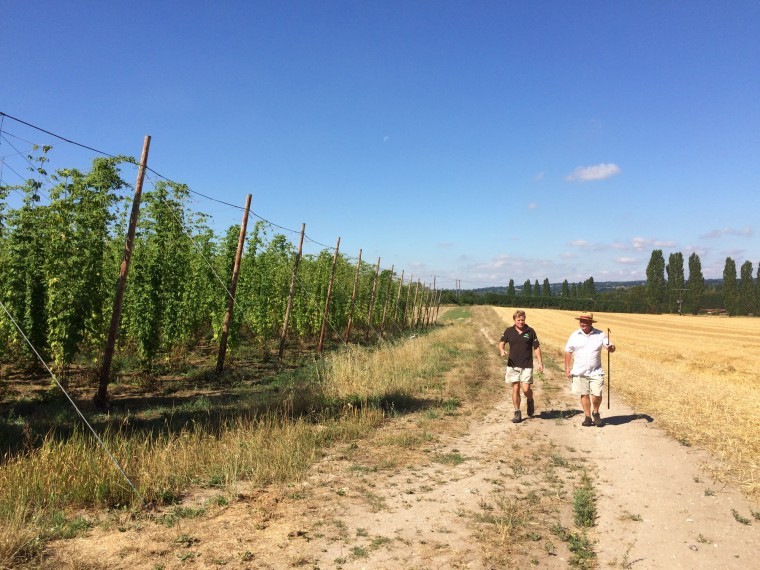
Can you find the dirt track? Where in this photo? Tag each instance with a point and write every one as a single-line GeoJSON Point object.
{"type": "Point", "coordinates": [656, 506]}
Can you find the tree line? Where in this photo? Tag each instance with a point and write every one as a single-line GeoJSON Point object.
{"type": "Point", "coordinates": [667, 289]}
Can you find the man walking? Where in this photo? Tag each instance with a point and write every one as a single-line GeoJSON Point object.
{"type": "Point", "coordinates": [583, 349]}
{"type": "Point", "coordinates": [522, 341]}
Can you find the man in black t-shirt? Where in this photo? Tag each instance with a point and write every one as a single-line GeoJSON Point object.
{"type": "Point", "coordinates": [523, 342]}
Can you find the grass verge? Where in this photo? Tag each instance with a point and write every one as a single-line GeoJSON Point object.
{"type": "Point", "coordinates": [340, 399]}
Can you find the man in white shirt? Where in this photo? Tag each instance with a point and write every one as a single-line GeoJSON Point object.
{"type": "Point", "coordinates": [583, 350]}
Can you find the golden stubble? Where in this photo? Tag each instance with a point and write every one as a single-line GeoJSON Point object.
{"type": "Point", "coordinates": [695, 374]}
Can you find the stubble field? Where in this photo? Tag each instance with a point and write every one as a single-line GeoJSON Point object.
{"type": "Point", "coordinates": [697, 375]}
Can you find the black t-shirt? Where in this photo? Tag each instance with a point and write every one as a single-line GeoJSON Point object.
{"type": "Point", "coordinates": [521, 346]}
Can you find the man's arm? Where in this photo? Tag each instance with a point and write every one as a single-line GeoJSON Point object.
{"type": "Point", "coordinates": [540, 360]}
{"type": "Point", "coordinates": [502, 352]}
{"type": "Point", "coordinates": [568, 358]}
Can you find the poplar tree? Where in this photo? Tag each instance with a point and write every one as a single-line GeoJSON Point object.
{"type": "Point", "coordinates": [695, 285]}
{"type": "Point", "coordinates": [565, 288]}
{"type": "Point", "coordinates": [546, 290]}
{"type": "Point", "coordinates": [527, 289]}
{"type": "Point", "coordinates": [675, 283]}
{"type": "Point", "coordinates": [747, 302]}
{"type": "Point", "coordinates": [656, 288]}
{"type": "Point", "coordinates": [730, 287]}
{"type": "Point", "coordinates": [511, 288]}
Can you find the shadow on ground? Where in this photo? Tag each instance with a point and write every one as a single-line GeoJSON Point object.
{"type": "Point", "coordinates": [609, 420]}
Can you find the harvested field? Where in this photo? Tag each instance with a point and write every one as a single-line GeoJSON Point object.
{"type": "Point", "coordinates": [696, 374]}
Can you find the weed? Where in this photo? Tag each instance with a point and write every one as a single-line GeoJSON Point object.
{"type": "Point", "coordinates": [582, 549]}
{"type": "Point", "coordinates": [455, 458]}
{"type": "Point", "coordinates": [584, 504]}
{"type": "Point", "coordinates": [186, 540]}
{"type": "Point", "coordinates": [626, 516]}
{"type": "Point", "coordinates": [739, 518]}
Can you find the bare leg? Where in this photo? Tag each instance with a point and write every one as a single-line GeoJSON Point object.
{"type": "Point", "coordinates": [596, 401]}
{"type": "Point", "coordinates": [516, 395]}
{"type": "Point", "coordinates": [586, 404]}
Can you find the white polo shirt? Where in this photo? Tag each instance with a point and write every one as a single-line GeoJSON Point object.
{"type": "Point", "coordinates": [586, 350]}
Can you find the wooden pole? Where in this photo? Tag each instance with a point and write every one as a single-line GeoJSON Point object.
{"type": "Point", "coordinates": [353, 296]}
{"type": "Point", "coordinates": [372, 299]}
{"type": "Point", "coordinates": [437, 306]}
{"type": "Point", "coordinates": [398, 297]}
{"type": "Point", "coordinates": [387, 300]}
{"type": "Point", "coordinates": [413, 321]}
{"type": "Point", "coordinates": [291, 295]}
{"type": "Point", "coordinates": [101, 398]}
{"type": "Point", "coordinates": [408, 294]}
{"type": "Point", "coordinates": [327, 300]}
{"type": "Point", "coordinates": [233, 288]}
{"type": "Point", "coordinates": [431, 304]}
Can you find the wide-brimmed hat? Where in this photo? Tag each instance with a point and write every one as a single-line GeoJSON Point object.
{"type": "Point", "coordinates": [587, 316]}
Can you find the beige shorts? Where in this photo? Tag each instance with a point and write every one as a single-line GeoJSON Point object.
{"type": "Point", "coordinates": [521, 375]}
{"type": "Point", "coordinates": [584, 385]}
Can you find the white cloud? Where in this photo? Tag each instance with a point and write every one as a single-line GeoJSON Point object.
{"type": "Point", "coordinates": [596, 172]}
{"type": "Point", "coordinates": [641, 243]}
{"type": "Point", "coordinates": [627, 260]}
{"type": "Point", "coordinates": [532, 206]}
{"type": "Point", "coordinates": [579, 243]}
{"type": "Point", "coordinates": [744, 232]}
{"type": "Point", "coordinates": [539, 177]}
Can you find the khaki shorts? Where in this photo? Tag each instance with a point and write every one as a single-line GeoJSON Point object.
{"type": "Point", "coordinates": [521, 375]}
{"type": "Point", "coordinates": [584, 385]}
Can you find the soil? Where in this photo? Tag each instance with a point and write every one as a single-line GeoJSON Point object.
{"type": "Point", "coordinates": [484, 493]}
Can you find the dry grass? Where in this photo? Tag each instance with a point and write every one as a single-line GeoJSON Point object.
{"type": "Point", "coordinates": [352, 393]}
{"type": "Point", "coordinates": [695, 374]}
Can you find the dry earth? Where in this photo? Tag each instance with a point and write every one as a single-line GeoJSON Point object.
{"type": "Point", "coordinates": [480, 493]}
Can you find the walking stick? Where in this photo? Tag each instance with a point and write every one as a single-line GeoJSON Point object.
{"type": "Point", "coordinates": [609, 374]}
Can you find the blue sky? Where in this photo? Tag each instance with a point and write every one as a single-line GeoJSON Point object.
{"type": "Point", "coordinates": [471, 141]}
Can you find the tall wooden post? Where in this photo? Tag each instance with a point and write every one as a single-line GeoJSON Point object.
{"type": "Point", "coordinates": [327, 300]}
{"type": "Point", "coordinates": [292, 293]}
{"type": "Point", "coordinates": [387, 300]}
{"type": "Point", "coordinates": [437, 305]}
{"type": "Point", "coordinates": [422, 305]}
{"type": "Point", "coordinates": [372, 299]}
{"type": "Point", "coordinates": [413, 321]}
{"type": "Point", "coordinates": [398, 297]}
{"type": "Point", "coordinates": [408, 293]}
{"type": "Point", "coordinates": [431, 301]}
{"type": "Point", "coordinates": [233, 287]}
{"type": "Point", "coordinates": [353, 296]}
{"type": "Point", "coordinates": [101, 398]}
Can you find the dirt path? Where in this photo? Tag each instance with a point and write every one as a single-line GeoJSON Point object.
{"type": "Point", "coordinates": [485, 494]}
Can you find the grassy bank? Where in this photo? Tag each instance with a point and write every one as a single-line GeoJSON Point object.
{"type": "Point", "coordinates": [45, 490]}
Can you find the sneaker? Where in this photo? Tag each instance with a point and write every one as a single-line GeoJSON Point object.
{"type": "Point", "coordinates": [587, 422]}
{"type": "Point", "coordinates": [598, 421]}
{"type": "Point", "coordinates": [531, 408]}
{"type": "Point", "coordinates": [518, 417]}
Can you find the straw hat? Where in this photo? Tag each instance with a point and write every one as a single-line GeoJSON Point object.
{"type": "Point", "coordinates": [586, 316]}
